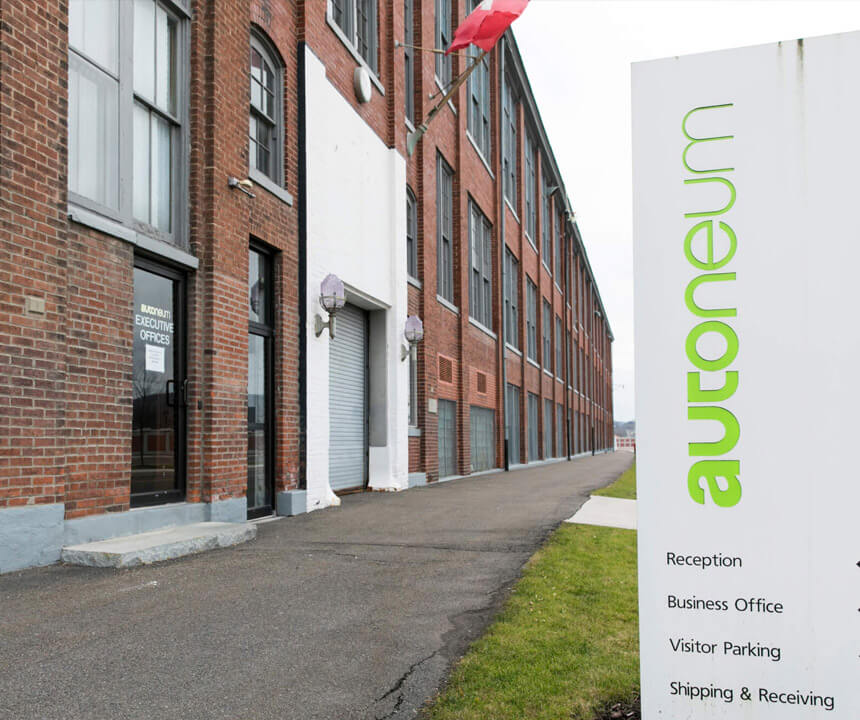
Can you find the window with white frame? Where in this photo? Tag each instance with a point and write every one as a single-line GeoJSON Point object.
{"type": "Point", "coordinates": [512, 298]}
{"type": "Point", "coordinates": [409, 58]}
{"type": "Point", "coordinates": [266, 125]}
{"type": "Point", "coordinates": [547, 335]}
{"type": "Point", "coordinates": [127, 109]}
{"type": "Point", "coordinates": [444, 229]}
{"type": "Point", "coordinates": [413, 389]}
{"type": "Point", "coordinates": [530, 189]}
{"type": "Point", "coordinates": [557, 239]}
{"type": "Point", "coordinates": [546, 221]}
{"type": "Point", "coordinates": [481, 275]}
{"type": "Point", "coordinates": [357, 21]}
{"type": "Point", "coordinates": [558, 348]}
{"type": "Point", "coordinates": [443, 39]}
{"type": "Point", "coordinates": [478, 118]}
{"type": "Point", "coordinates": [531, 320]}
{"type": "Point", "coordinates": [509, 141]}
{"type": "Point", "coordinates": [411, 234]}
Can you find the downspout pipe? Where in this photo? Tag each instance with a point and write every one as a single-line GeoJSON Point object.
{"type": "Point", "coordinates": [502, 243]}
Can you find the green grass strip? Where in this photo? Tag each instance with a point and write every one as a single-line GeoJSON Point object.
{"type": "Point", "coordinates": [623, 487]}
{"type": "Point", "coordinates": [565, 646]}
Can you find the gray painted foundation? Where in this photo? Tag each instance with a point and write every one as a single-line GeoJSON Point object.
{"type": "Point", "coordinates": [35, 535]}
{"type": "Point", "coordinates": [417, 479]}
{"type": "Point", "coordinates": [291, 502]}
{"type": "Point", "coordinates": [30, 535]}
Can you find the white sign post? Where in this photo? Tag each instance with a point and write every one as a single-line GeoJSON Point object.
{"type": "Point", "coordinates": [747, 273]}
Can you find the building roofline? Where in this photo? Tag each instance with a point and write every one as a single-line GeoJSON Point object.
{"type": "Point", "coordinates": [536, 120]}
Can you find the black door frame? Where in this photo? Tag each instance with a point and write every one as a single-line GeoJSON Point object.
{"type": "Point", "coordinates": [180, 384]}
{"type": "Point", "coordinates": [267, 332]}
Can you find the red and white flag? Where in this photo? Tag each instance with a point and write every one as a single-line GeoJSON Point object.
{"type": "Point", "coordinates": [487, 23]}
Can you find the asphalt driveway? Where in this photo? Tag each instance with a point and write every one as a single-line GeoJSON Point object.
{"type": "Point", "coordinates": [353, 613]}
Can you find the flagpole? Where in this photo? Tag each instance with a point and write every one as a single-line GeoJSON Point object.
{"type": "Point", "coordinates": [413, 137]}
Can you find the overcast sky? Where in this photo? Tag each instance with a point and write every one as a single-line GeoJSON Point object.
{"type": "Point", "coordinates": [578, 54]}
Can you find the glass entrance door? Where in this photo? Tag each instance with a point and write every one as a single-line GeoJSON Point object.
{"type": "Point", "coordinates": [260, 492]}
{"type": "Point", "coordinates": [158, 441]}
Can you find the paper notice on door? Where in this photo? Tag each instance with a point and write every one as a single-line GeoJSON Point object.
{"type": "Point", "coordinates": [154, 358]}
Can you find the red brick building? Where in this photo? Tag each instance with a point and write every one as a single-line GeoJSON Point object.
{"type": "Point", "coordinates": [177, 178]}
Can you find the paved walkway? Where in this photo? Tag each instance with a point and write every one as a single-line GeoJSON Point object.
{"type": "Point", "coordinates": [343, 614]}
{"type": "Point", "coordinates": [607, 512]}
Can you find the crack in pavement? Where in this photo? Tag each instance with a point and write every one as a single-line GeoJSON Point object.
{"type": "Point", "coordinates": [398, 687]}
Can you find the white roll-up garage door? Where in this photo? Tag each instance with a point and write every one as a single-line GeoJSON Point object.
{"type": "Point", "coordinates": [348, 400]}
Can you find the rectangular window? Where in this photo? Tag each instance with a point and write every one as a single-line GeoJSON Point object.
{"type": "Point", "coordinates": [482, 438]}
{"type": "Point", "coordinates": [512, 415]}
{"type": "Point", "coordinates": [559, 232]}
{"type": "Point", "coordinates": [443, 39]}
{"type": "Point", "coordinates": [567, 357]}
{"type": "Point", "coordinates": [531, 320]}
{"type": "Point", "coordinates": [545, 221]}
{"type": "Point", "coordinates": [534, 433]}
{"type": "Point", "coordinates": [413, 389]}
{"type": "Point", "coordinates": [481, 275]}
{"type": "Point", "coordinates": [125, 92]}
{"type": "Point", "coordinates": [547, 428]}
{"type": "Point", "coordinates": [357, 21]}
{"type": "Point", "coordinates": [478, 93]}
{"type": "Point", "coordinates": [546, 360]}
{"type": "Point", "coordinates": [531, 189]}
{"type": "Point", "coordinates": [411, 235]}
{"type": "Point", "coordinates": [445, 229]}
{"type": "Point", "coordinates": [409, 58]}
{"type": "Point", "coordinates": [558, 348]}
{"type": "Point", "coordinates": [509, 142]}
{"type": "Point", "coordinates": [512, 300]}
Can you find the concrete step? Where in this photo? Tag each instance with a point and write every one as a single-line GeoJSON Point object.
{"type": "Point", "coordinates": [158, 545]}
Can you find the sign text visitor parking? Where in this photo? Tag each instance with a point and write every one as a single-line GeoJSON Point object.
{"type": "Point", "coordinates": [747, 274]}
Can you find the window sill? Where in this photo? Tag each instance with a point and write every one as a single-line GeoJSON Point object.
{"type": "Point", "coordinates": [511, 208]}
{"type": "Point", "coordinates": [410, 126]}
{"type": "Point", "coordinates": [480, 155]}
{"type": "Point", "coordinates": [559, 380]}
{"type": "Point", "coordinates": [547, 372]}
{"type": "Point", "coordinates": [532, 362]}
{"type": "Point", "coordinates": [121, 232]}
{"type": "Point", "coordinates": [352, 51]}
{"type": "Point", "coordinates": [447, 304]}
{"type": "Point", "coordinates": [414, 282]}
{"type": "Point", "coordinates": [483, 328]}
{"type": "Point", "coordinates": [266, 183]}
{"type": "Point", "coordinates": [531, 242]}
{"type": "Point", "coordinates": [514, 350]}
{"type": "Point", "coordinates": [546, 267]}
{"type": "Point", "coordinates": [414, 431]}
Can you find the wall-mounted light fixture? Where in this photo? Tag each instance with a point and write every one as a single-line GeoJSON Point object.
{"type": "Point", "coordinates": [414, 334]}
{"type": "Point", "coordinates": [332, 299]}
{"type": "Point", "coordinates": [243, 185]}
{"type": "Point", "coordinates": [598, 313]}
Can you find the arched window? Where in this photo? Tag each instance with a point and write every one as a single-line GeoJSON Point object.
{"type": "Point", "coordinates": [266, 126]}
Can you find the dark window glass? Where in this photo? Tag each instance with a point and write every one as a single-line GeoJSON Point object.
{"type": "Point", "coordinates": [411, 235]}
{"type": "Point", "coordinates": [531, 320]}
{"type": "Point", "coordinates": [445, 229]}
{"type": "Point", "coordinates": [480, 277]}
{"type": "Point", "coordinates": [530, 189]}
{"type": "Point", "coordinates": [509, 129]}
{"type": "Point", "coordinates": [409, 58]}
{"type": "Point", "coordinates": [512, 296]}
{"type": "Point", "coordinates": [357, 20]}
{"type": "Point", "coordinates": [265, 128]}
{"type": "Point", "coordinates": [547, 335]}
{"type": "Point", "coordinates": [443, 39]}
{"type": "Point", "coordinates": [260, 490]}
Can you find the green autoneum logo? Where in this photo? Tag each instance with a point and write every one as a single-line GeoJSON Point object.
{"type": "Point", "coordinates": [709, 404]}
